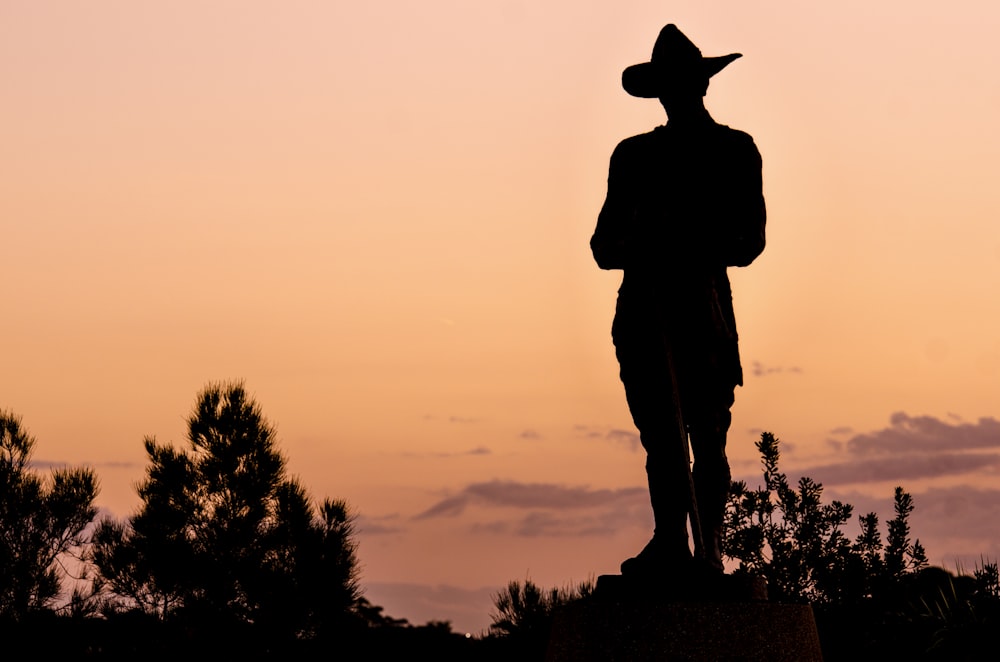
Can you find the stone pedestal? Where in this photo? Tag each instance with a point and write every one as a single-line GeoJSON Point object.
{"type": "Point", "coordinates": [602, 630]}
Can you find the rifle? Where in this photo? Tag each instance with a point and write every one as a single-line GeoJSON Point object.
{"type": "Point", "coordinates": [692, 504]}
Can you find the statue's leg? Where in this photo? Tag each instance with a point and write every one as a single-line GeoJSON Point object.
{"type": "Point", "coordinates": [648, 388]}
{"type": "Point", "coordinates": [711, 470]}
{"type": "Point", "coordinates": [668, 497]}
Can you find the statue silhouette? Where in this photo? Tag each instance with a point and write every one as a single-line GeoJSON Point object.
{"type": "Point", "coordinates": [684, 203]}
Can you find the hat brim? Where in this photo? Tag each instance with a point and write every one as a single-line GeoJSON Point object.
{"type": "Point", "coordinates": [648, 80]}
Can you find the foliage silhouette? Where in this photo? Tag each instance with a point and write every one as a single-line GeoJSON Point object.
{"type": "Point", "coordinates": [879, 598]}
{"type": "Point", "coordinates": [522, 607]}
{"type": "Point", "coordinates": [960, 613]}
{"type": "Point", "coordinates": [523, 615]}
{"type": "Point", "coordinates": [882, 598]}
{"type": "Point", "coordinates": [40, 522]}
{"type": "Point", "coordinates": [224, 536]}
{"type": "Point", "coordinates": [790, 538]}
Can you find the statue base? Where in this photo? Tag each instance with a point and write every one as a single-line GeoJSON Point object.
{"type": "Point", "coordinates": [626, 623]}
{"type": "Point", "coordinates": [682, 586]}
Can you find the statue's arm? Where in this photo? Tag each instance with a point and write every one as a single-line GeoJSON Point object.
{"type": "Point", "coordinates": [747, 214]}
{"type": "Point", "coordinates": [608, 242]}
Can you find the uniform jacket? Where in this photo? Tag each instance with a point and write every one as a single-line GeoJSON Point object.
{"type": "Point", "coordinates": [681, 207]}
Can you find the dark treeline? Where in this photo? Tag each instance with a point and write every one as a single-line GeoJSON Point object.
{"type": "Point", "coordinates": [228, 556]}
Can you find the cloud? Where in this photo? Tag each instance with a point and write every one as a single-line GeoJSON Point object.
{"type": "Point", "coordinates": [495, 527]}
{"type": "Point", "coordinates": [962, 521]}
{"type": "Point", "coordinates": [530, 434]}
{"type": "Point", "coordinates": [548, 509]}
{"type": "Point", "coordinates": [628, 438]}
{"type": "Point", "coordinates": [959, 512]}
{"type": "Point", "coordinates": [588, 431]}
{"type": "Point", "coordinates": [377, 526]}
{"type": "Point", "coordinates": [758, 369]}
{"type": "Point", "coordinates": [446, 507]}
{"type": "Point", "coordinates": [902, 468]}
{"type": "Point", "coordinates": [910, 448]}
{"type": "Point", "coordinates": [55, 464]}
{"type": "Point", "coordinates": [478, 450]}
{"type": "Point", "coordinates": [907, 434]}
{"type": "Point", "coordinates": [604, 522]}
{"type": "Point", "coordinates": [600, 513]}
{"type": "Point", "coordinates": [624, 436]}
{"type": "Point", "coordinates": [530, 496]}
{"type": "Point", "coordinates": [957, 524]}
{"type": "Point", "coordinates": [462, 420]}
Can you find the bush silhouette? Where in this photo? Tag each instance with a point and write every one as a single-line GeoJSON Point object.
{"type": "Point", "coordinates": [790, 538]}
{"type": "Point", "coordinates": [524, 613]}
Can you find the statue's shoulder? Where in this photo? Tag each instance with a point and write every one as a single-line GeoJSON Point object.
{"type": "Point", "coordinates": [637, 146]}
{"type": "Point", "coordinates": [639, 142]}
{"type": "Point", "coordinates": [734, 136]}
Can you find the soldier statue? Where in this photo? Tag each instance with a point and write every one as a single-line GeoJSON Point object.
{"type": "Point", "coordinates": [684, 203]}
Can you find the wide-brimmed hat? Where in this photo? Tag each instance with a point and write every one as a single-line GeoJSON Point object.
{"type": "Point", "coordinates": [675, 57]}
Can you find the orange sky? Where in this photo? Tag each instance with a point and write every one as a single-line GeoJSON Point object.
{"type": "Point", "coordinates": [378, 217]}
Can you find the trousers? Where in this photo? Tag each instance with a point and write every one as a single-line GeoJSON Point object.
{"type": "Point", "coordinates": [646, 348]}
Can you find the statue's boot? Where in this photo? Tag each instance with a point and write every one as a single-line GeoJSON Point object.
{"type": "Point", "coordinates": [668, 552]}
{"type": "Point", "coordinates": [711, 518]}
{"type": "Point", "coordinates": [712, 479]}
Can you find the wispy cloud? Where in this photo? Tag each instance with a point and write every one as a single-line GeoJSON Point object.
{"type": "Point", "coordinates": [908, 434]}
{"type": "Point", "coordinates": [56, 464]}
{"type": "Point", "coordinates": [910, 448]}
{"type": "Point", "coordinates": [960, 521]}
{"type": "Point", "coordinates": [460, 420]}
{"type": "Point", "coordinates": [478, 450]}
{"type": "Point", "coordinates": [758, 369]}
{"type": "Point", "coordinates": [588, 431]}
{"type": "Point", "coordinates": [627, 438]}
{"type": "Point", "coordinates": [905, 467]}
{"type": "Point", "coordinates": [963, 520]}
{"type": "Point", "coordinates": [604, 522]}
{"type": "Point", "coordinates": [511, 494]}
{"type": "Point", "coordinates": [551, 509]}
{"type": "Point", "coordinates": [377, 526]}
{"type": "Point", "coordinates": [960, 511]}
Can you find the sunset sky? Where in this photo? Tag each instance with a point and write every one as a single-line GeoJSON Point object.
{"type": "Point", "coordinates": [377, 215]}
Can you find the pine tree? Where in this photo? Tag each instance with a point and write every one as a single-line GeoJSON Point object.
{"type": "Point", "coordinates": [40, 521]}
{"type": "Point", "coordinates": [225, 535]}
